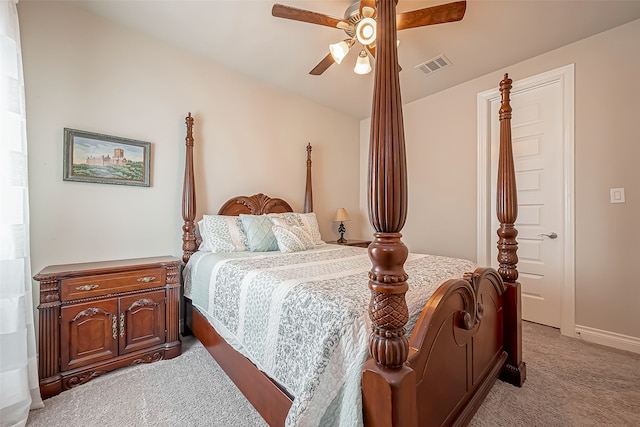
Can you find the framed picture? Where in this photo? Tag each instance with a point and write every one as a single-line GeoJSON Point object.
{"type": "Point", "coordinates": [105, 159]}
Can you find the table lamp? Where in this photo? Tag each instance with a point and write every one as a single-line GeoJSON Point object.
{"type": "Point", "coordinates": [341, 215]}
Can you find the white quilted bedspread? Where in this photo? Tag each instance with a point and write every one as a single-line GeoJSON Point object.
{"type": "Point", "coordinates": [302, 318]}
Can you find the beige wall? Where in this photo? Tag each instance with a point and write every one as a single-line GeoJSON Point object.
{"type": "Point", "coordinates": [441, 137]}
{"type": "Point", "coordinates": [86, 73]}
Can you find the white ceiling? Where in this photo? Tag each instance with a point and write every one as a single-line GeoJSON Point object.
{"type": "Point", "coordinates": [243, 35]}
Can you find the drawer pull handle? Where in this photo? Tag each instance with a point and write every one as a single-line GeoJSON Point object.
{"type": "Point", "coordinates": [147, 279]}
{"type": "Point", "coordinates": [114, 327]}
{"type": "Point", "coordinates": [87, 287]}
{"type": "Point", "coordinates": [121, 325]}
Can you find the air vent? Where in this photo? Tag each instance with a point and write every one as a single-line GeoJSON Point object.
{"type": "Point", "coordinates": [434, 64]}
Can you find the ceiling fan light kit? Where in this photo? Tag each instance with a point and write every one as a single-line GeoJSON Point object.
{"type": "Point", "coordinates": [360, 25]}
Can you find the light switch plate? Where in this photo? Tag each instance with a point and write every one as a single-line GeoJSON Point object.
{"type": "Point", "coordinates": [617, 195]}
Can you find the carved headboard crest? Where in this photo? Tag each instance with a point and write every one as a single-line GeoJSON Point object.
{"type": "Point", "coordinates": [257, 204]}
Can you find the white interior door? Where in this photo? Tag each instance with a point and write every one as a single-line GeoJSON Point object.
{"type": "Point", "coordinates": [537, 135]}
{"type": "Point", "coordinates": [543, 139]}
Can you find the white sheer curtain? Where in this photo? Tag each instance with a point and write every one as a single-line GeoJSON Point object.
{"type": "Point", "coordinates": [18, 364]}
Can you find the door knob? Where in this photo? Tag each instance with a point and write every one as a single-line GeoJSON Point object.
{"type": "Point", "coordinates": [551, 235]}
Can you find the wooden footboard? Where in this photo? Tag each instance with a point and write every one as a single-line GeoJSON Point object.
{"type": "Point", "coordinates": [457, 348]}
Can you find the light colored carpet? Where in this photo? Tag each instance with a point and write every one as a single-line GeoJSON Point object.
{"type": "Point", "coordinates": [569, 383]}
{"type": "Point", "coordinates": [189, 390]}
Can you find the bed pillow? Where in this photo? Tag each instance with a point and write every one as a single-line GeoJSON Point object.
{"type": "Point", "coordinates": [281, 220]}
{"type": "Point", "coordinates": [260, 237]}
{"type": "Point", "coordinates": [292, 239]}
{"type": "Point", "coordinates": [222, 233]}
{"type": "Point", "coordinates": [308, 222]}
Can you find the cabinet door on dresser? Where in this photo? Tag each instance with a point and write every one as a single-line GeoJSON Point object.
{"type": "Point", "coordinates": [141, 321]}
{"type": "Point", "coordinates": [89, 333]}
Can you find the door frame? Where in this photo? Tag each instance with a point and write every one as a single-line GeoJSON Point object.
{"type": "Point", "coordinates": [565, 76]}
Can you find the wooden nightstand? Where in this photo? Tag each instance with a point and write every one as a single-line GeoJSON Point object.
{"type": "Point", "coordinates": [358, 243]}
{"type": "Point", "coordinates": [100, 316]}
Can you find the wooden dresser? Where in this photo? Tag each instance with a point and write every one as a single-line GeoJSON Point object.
{"type": "Point", "coordinates": [100, 316]}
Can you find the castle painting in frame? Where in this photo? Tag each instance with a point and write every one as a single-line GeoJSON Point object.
{"type": "Point", "coordinates": [105, 159]}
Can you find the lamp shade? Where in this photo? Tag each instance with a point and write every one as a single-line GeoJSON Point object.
{"type": "Point", "coordinates": [341, 215]}
{"type": "Point", "coordinates": [339, 50]}
{"type": "Point", "coordinates": [362, 64]}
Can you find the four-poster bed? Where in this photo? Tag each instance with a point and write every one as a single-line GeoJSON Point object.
{"type": "Point", "coordinates": [469, 331]}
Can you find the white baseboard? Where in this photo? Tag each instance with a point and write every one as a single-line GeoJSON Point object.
{"type": "Point", "coordinates": [610, 339]}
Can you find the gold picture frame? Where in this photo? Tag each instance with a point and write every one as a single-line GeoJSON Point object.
{"type": "Point", "coordinates": [105, 159]}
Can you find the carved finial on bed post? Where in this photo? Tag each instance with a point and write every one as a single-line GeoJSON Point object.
{"type": "Point", "coordinates": [308, 192]}
{"type": "Point", "coordinates": [514, 371]}
{"type": "Point", "coordinates": [389, 385]}
{"type": "Point", "coordinates": [188, 197]}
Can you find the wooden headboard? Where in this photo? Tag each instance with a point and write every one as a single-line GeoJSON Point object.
{"type": "Point", "coordinates": [257, 204]}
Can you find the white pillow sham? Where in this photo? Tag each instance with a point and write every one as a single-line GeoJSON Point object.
{"type": "Point", "coordinates": [307, 221]}
{"type": "Point", "coordinates": [222, 233]}
{"type": "Point", "coordinates": [292, 239]}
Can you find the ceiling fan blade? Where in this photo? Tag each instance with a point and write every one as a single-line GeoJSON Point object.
{"type": "Point", "coordinates": [323, 65]}
{"type": "Point", "coordinates": [288, 12]}
{"type": "Point", "coordinates": [372, 50]}
{"type": "Point", "coordinates": [449, 12]}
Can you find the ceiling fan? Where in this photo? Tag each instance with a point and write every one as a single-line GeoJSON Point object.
{"type": "Point", "coordinates": [359, 23]}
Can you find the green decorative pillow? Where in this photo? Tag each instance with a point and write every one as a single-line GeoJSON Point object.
{"type": "Point", "coordinates": [259, 235]}
{"type": "Point", "coordinates": [292, 239]}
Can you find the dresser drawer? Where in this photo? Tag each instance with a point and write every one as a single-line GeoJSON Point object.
{"type": "Point", "coordinates": [105, 284]}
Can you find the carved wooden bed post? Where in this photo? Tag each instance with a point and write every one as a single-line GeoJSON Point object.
{"type": "Point", "coordinates": [308, 192]}
{"type": "Point", "coordinates": [389, 386]}
{"type": "Point", "coordinates": [507, 212]}
{"type": "Point", "coordinates": [189, 245]}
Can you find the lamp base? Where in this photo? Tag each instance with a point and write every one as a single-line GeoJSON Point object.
{"type": "Point", "coordinates": [342, 230]}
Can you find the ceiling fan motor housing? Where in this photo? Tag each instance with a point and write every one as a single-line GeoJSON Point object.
{"type": "Point", "coordinates": [362, 25]}
{"type": "Point", "coordinates": [353, 9]}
